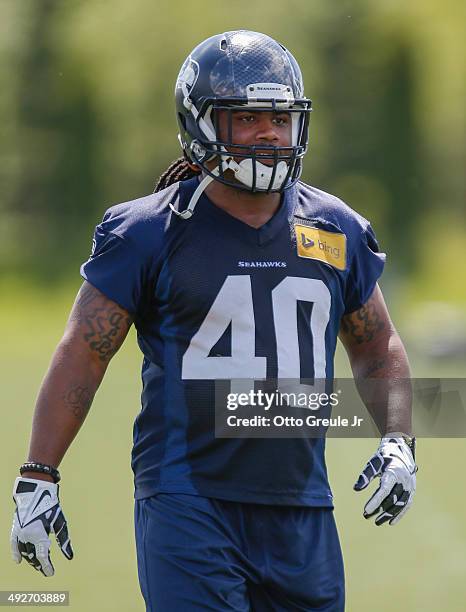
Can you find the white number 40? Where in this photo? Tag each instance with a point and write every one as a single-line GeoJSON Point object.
{"type": "Point", "coordinates": [233, 305]}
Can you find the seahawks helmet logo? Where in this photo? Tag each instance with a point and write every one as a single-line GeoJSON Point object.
{"type": "Point", "coordinates": [189, 74]}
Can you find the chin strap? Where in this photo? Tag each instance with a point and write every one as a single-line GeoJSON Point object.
{"type": "Point", "coordinates": [188, 212]}
{"type": "Point", "coordinates": [243, 173]}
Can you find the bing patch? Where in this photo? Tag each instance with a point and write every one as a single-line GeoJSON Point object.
{"type": "Point", "coordinates": [315, 243]}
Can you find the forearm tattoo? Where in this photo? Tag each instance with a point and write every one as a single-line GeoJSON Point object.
{"type": "Point", "coordinates": [374, 367]}
{"type": "Point", "coordinates": [104, 323]}
{"type": "Point", "coordinates": [78, 400]}
{"type": "Point", "coordinates": [364, 324]}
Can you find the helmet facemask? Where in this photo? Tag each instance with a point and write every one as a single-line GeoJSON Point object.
{"type": "Point", "coordinates": [254, 168]}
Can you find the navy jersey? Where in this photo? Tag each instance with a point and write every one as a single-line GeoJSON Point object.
{"type": "Point", "coordinates": [213, 298]}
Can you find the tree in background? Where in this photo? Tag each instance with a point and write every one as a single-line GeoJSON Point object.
{"type": "Point", "coordinates": [88, 92]}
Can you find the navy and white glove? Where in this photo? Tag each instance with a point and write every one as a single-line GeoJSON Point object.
{"type": "Point", "coordinates": [395, 465]}
{"type": "Point", "coordinates": [38, 514]}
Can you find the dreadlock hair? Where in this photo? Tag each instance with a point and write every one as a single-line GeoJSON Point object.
{"type": "Point", "coordinates": [179, 170]}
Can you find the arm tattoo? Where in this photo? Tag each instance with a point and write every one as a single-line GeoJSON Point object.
{"type": "Point", "coordinates": [104, 323]}
{"type": "Point", "coordinates": [104, 326]}
{"type": "Point", "coordinates": [363, 324]}
{"type": "Point", "coordinates": [78, 399]}
{"type": "Point", "coordinates": [375, 366]}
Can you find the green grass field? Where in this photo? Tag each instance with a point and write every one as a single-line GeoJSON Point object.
{"type": "Point", "coordinates": [419, 565]}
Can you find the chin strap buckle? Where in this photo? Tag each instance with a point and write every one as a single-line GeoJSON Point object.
{"type": "Point", "coordinates": [183, 214]}
{"type": "Point", "coordinates": [188, 212]}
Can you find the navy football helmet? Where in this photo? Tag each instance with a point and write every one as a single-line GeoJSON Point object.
{"type": "Point", "coordinates": [229, 72]}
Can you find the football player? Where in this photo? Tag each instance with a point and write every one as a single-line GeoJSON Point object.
{"type": "Point", "coordinates": [233, 269]}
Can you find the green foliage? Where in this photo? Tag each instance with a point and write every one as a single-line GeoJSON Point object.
{"type": "Point", "coordinates": [86, 98]}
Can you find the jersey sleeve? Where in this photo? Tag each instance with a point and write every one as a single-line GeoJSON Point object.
{"type": "Point", "coordinates": [116, 269]}
{"type": "Point", "coordinates": [366, 267]}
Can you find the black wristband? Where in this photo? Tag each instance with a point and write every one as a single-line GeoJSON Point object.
{"type": "Point", "coordinates": [41, 468]}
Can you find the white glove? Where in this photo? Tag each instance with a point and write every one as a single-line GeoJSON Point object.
{"type": "Point", "coordinates": [395, 465]}
{"type": "Point", "coordinates": [37, 514]}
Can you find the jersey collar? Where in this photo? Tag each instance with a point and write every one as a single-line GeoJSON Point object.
{"type": "Point", "coordinates": [257, 236]}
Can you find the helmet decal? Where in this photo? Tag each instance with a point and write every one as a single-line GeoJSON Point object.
{"type": "Point", "coordinates": [189, 74]}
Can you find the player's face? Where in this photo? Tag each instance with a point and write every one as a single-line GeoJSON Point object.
{"type": "Point", "coordinates": [250, 128]}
